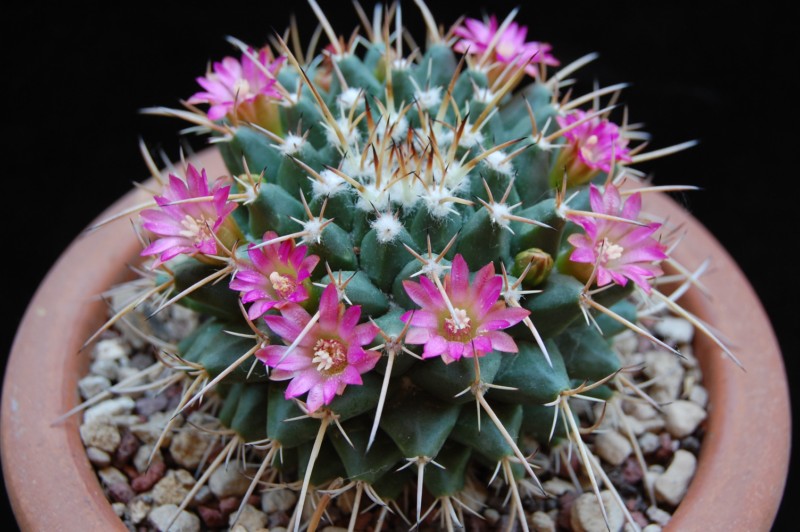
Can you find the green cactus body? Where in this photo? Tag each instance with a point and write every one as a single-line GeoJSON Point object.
{"type": "Point", "coordinates": [410, 195]}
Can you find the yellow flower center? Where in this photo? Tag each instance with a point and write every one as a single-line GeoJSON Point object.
{"type": "Point", "coordinates": [458, 328]}
{"type": "Point", "coordinates": [505, 49]}
{"type": "Point", "coordinates": [241, 88]}
{"type": "Point", "coordinates": [282, 284]}
{"type": "Point", "coordinates": [588, 149]}
{"type": "Point", "coordinates": [609, 251]}
{"type": "Point", "coordinates": [330, 356]}
{"type": "Point", "coordinates": [197, 229]}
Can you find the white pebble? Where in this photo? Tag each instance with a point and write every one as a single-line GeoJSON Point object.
{"type": "Point", "coordinates": [641, 411]}
{"type": "Point", "coordinates": [491, 515]}
{"type": "Point", "coordinates": [141, 460]}
{"type": "Point", "coordinates": [654, 425]}
{"type": "Point", "coordinates": [127, 420]}
{"type": "Point", "coordinates": [126, 372]}
{"type": "Point", "coordinates": [92, 385]}
{"type": "Point", "coordinates": [672, 485]}
{"type": "Point", "coordinates": [541, 522]}
{"type": "Point", "coordinates": [635, 425]}
{"type": "Point", "coordinates": [651, 476]}
{"type": "Point", "coordinates": [699, 396]}
{"type": "Point", "coordinates": [102, 435]}
{"type": "Point", "coordinates": [586, 515]}
{"type": "Point", "coordinates": [612, 447]}
{"type": "Point", "coordinates": [107, 410]}
{"type": "Point", "coordinates": [690, 361]}
{"type": "Point", "coordinates": [557, 486]}
{"type": "Point", "coordinates": [280, 500]}
{"type": "Point", "coordinates": [606, 422]}
{"type": "Point", "coordinates": [626, 343]}
{"type": "Point", "coordinates": [251, 519]}
{"type": "Point", "coordinates": [674, 330]}
{"type": "Point", "coordinates": [119, 508]}
{"type": "Point", "coordinates": [652, 528]}
{"type": "Point", "coordinates": [138, 509]}
{"type": "Point", "coordinates": [173, 488]}
{"type": "Point", "coordinates": [668, 373]}
{"type": "Point", "coordinates": [111, 475]}
{"type": "Point", "coordinates": [181, 322]}
{"type": "Point", "coordinates": [658, 516]}
{"type": "Point", "coordinates": [105, 368]}
{"type": "Point", "coordinates": [189, 444]}
{"type": "Point", "coordinates": [111, 349]}
{"type": "Point", "coordinates": [98, 457]}
{"type": "Point", "coordinates": [683, 417]}
{"type": "Point", "coordinates": [202, 496]}
{"type": "Point", "coordinates": [161, 516]}
{"type": "Point", "coordinates": [228, 481]}
{"type": "Point", "coordinates": [649, 442]}
{"type": "Point", "coordinates": [150, 431]}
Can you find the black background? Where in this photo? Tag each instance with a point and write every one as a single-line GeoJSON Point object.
{"type": "Point", "coordinates": [73, 82]}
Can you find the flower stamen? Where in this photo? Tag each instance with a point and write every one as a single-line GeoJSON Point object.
{"type": "Point", "coordinates": [330, 356]}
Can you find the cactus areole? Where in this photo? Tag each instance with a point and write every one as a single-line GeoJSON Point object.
{"type": "Point", "coordinates": [425, 252]}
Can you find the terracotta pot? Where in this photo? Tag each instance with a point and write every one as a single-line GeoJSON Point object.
{"type": "Point", "coordinates": [743, 461]}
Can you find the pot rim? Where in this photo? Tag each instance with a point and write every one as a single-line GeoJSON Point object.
{"type": "Point", "coordinates": [42, 462]}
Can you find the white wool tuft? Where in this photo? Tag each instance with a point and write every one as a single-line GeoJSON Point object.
{"type": "Point", "coordinates": [387, 227]}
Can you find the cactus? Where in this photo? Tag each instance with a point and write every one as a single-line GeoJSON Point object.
{"type": "Point", "coordinates": [416, 262]}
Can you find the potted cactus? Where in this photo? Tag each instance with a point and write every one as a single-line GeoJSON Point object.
{"type": "Point", "coordinates": [413, 263]}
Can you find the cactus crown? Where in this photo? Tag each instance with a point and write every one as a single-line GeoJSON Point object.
{"type": "Point", "coordinates": [404, 235]}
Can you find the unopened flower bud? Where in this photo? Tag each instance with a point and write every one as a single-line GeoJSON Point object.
{"type": "Point", "coordinates": [540, 263]}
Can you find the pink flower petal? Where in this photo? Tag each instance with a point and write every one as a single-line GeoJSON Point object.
{"type": "Point", "coordinates": [301, 383]}
{"type": "Point", "coordinates": [232, 82]}
{"type": "Point", "coordinates": [502, 342]}
{"type": "Point", "coordinates": [424, 318]}
{"type": "Point", "coordinates": [349, 320]}
{"type": "Point", "coordinates": [454, 350]}
{"type": "Point", "coordinates": [350, 375]}
{"type": "Point", "coordinates": [434, 347]}
{"type": "Point", "coordinates": [286, 327]}
{"type": "Point", "coordinates": [416, 336]}
{"type": "Point", "coordinates": [459, 279]}
{"type": "Point", "coordinates": [329, 308]}
{"type": "Point", "coordinates": [329, 389]}
{"type": "Point", "coordinates": [364, 333]}
{"type": "Point", "coordinates": [481, 344]}
{"type": "Point", "coordinates": [460, 329]}
{"type": "Point", "coordinates": [622, 251]}
{"type": "Point", "coordinates": [315, 399]}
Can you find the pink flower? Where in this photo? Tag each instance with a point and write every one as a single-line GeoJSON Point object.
{"type": "Point", "coordinates": [589, 149]}
{"type": "Point", "coordinates": [510, 48]}
{"type": "Point", "coordinates": [233, 83]}
{"type": "Point", "coordinates": [328, 358]}
{"type": "Point", "coordinates": [275, 275]}
{"type": "Point", "coordinates": [187, 227]}
{"type": "Point", "coordinates": [621, 250]}
{"type": "Point", "coordinates": [472, 327]}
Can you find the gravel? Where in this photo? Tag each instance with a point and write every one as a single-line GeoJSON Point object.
{"type": "Point", "coordinates": [683, 418]}
{"type": "Point", "coordinates": [120, 433]}
{"type": "Point", "coordinates": [672, 485]}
